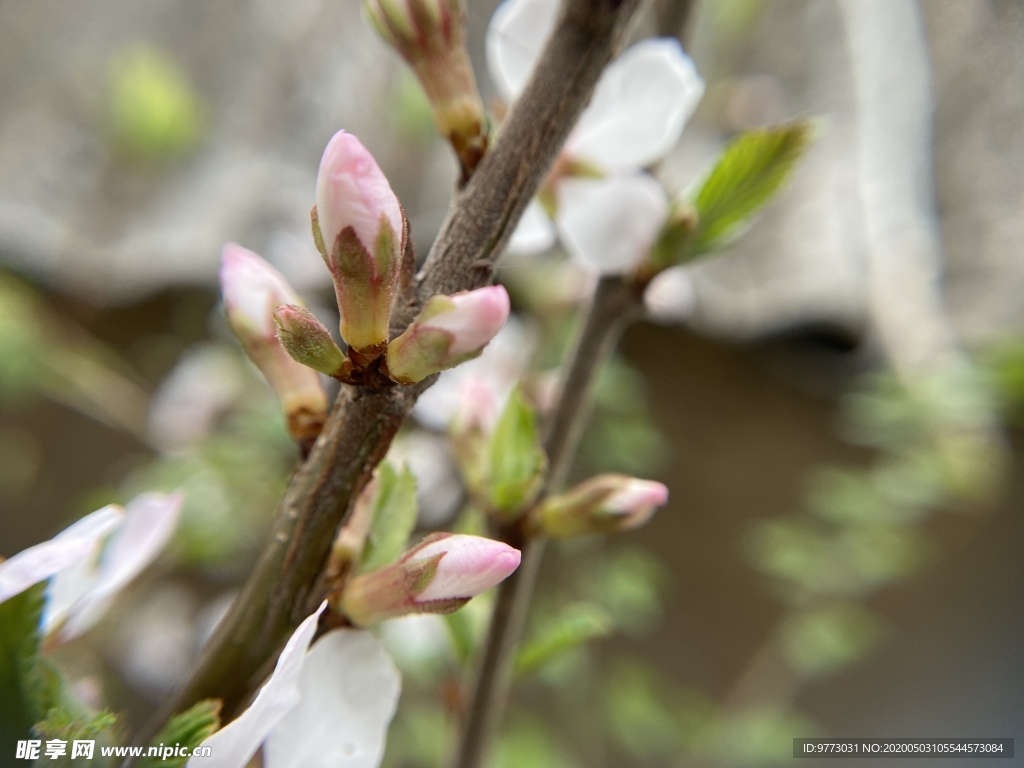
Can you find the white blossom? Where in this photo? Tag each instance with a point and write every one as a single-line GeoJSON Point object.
{"type": "Point", "coordinates": [325, 707]}
{"type": "Point", "coordinates": [636, 115]}
{"type": "Point", "coordinates": [84, 581]}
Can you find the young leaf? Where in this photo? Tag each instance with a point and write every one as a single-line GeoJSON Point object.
{"type": "Point", "coordinates": [574, 625]}
{"type": "Point", "coordinates": [462, 634]}
{"type": "Point", "coordinates": [25, 691]}
{"type": "Point", "coordinates": [749, 173]}
{"type": "Point", "coordinates": [71, 720]}
{"type": "Point", "coordinates": [822, 640]}
{"type": "Point", "coordinates": [394, 516]}
{"type": "Point", "coordinates": [187, 729]}
{"type": "Point", "coordinates": [35, 702]}
{"type": "Point", "coordinates": [517, 461]}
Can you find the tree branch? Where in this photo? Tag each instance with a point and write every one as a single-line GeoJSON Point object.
{"type": "Point", "coordinates": [614, 304]}
{"type": "Point", "coordinates": [284, 585]}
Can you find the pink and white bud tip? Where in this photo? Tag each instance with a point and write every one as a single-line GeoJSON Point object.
{"type": "Point", "coordinates": [603, 504]}
{"type": "Point", "coordinates": [439, 575]}
{"type": "Point", "coordinates": [449, 331]}
{"type": "Point", "coordinates": [359, 228]}
{"type": "Point", "coordinates": [468, 565]}
{"type": "Point", "coordinates": [252, 289]}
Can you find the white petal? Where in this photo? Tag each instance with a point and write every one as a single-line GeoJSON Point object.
{"type": "Point", "coordinates": [610, 224]}
{"type": "Point", "coordinates": [671, 297]}
{"type": "Point", "coordinates": [515, 37]}
{"type": "Point", "coordinates": [69, 585]}
{"type": "Point", "coordinates": [148, 526]}
{"type": "Point", "coordinates": [234, 744]}
{"type": "Point", "coordinates": [72, 545]}
{"type": "Point", "coordinates": [640, 107]}
{"type": "Point", "coordinates": [349, 691]}
{"type": "Point", "coordinates": [534, 234]}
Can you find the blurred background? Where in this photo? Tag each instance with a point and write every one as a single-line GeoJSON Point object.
{"type": "Point", "coordinates": [835, 403]}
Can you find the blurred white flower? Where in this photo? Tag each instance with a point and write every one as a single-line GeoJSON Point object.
{"type": "Point", "coordinates": [79, 596]}
{"type": "Point", "coordinates": [74, 544]}
{"type": "Point", "coordinates": [323, 707]}
{"type": "Point", "coordinates": [606, 211]}
{"type": "Point", "coordinates": [437, 484]}
{"type": "Point", "coordinates": [83, 582]}
{"type": "Point", "coordinates": [154, 650]}
{"type": "Point", "coordinates": [203, 385]}
{"type": "Point", "coordinates": [417, 640]}
{"type": "Point", "coordinates": [671, 297]}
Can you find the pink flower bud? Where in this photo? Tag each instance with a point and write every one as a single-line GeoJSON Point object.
{"type": "Point", "coordinates": [449, 330]}
{"type": "Point", "coordinates": [430, 36]}
{"type": "Point", "coordinates": [252, 289]}
{"type": "Point", "coordinates": [603, 504]}
{"type": "Point", "coordinates": [415, 27]}
{"type": "Point", "coordinates": [439, 575]}
{"type": "Point", "coordinates": [308, 341]}
{"type": "Point", "coordinates": [360, 229]}
{"type": "Point", "coordinates": [468, 565]}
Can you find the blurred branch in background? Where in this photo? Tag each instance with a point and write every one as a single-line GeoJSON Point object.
{"type": "Point", "coordinates": [47, 354]}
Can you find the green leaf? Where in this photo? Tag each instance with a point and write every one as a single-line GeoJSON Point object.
{"type": "Point", "coordinates": [72, 720]}
{"type": "Point", "coordinates": [640, 713]}
{"type": "Point", "coordinates": [753, 168]}
{"type": "Point", "coordinates": [461, 632]}
{"type": "Point", "coordinates": [25, 691]}
{"type": "Point", "coordinates": [629, 583]}
{"type": "Point", "coordinates": [34, 700]}
{"type": "Point", "coordinates": [530, 740]}
{"type": "Point", "coordinates": [153, 114]}
{"type": "Point", "coordinates": [517, 461]}
{"type": "Point", "coordinates": [574, 625]}
{"type": "Point", "coordinates": [187, 729]}
{"type": "Point", "coordinates": [394, 516]}
{"type": "Point", "coordinates": [825, 639]}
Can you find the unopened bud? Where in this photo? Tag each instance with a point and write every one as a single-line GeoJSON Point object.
{"type": "Point", "coordinates": [603, 504]}
{"type": "Point", "coordinates": [359, 227]}
{"type": "Point", "coordinates": [252, 289]}
{"type": "Point", "coordinates": [439, 575]}
{"type": "Point", "coordinates": [449, 330]}
{"type": "Point", "coordinates": [307, 340]}
{"type": "Point", "coordinates": [430, 36]}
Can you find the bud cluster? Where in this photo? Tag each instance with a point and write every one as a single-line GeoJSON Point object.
{"type": "Point", "coordinates": [361, 232]}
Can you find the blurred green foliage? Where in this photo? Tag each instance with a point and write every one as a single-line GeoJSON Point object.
{"type": "Point", "coordinates": [827, 637]}
{"type": "Point", "coordinates": [393, 517]}
{"type": "Point", "coordinates": [153, 114]}
{"type": "Point", "coordinates": [232, 480]}
{"type": "Point", "coordinates": [410, 112]}
{"type": "Point", "coordinates": [189, 729]}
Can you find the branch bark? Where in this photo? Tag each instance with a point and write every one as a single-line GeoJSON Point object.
{"type": "Point", "coordinates": [614, 304]}
{"type": "Point", "coordinates": [284, 586]}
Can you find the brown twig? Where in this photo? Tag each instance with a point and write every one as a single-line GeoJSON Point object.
{"type": "Point", "coordinates": [284, 586]}
{"type": "Point", "coordinates": [614, 304]}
